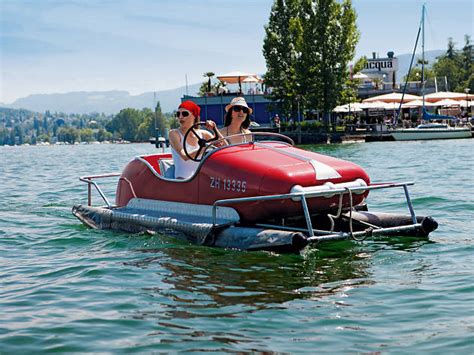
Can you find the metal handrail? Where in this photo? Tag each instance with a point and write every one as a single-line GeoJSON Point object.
{"type": "Point", "coordinates": [89, 181]}
{"type": "Point", "coordinates": [304, 195]}
{"type": "Point", "coordinates": [361, 234]}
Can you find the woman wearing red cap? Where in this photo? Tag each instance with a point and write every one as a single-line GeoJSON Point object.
{"type": "Point", "coordinates": [187, 115]}
{"type": "Point", "coordinates": [237, 121]}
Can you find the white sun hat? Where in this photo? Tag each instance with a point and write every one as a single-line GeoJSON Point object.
{"type": "Point", "coordinates": [238, 101]}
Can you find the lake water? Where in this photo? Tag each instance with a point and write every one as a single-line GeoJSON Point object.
{"type": "Point", "coordinates": [67, 288]}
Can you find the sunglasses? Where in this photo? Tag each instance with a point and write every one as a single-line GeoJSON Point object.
{"type": "Point", "coordinates": [182, 113]}
{"type": "Point", "coordinates": [240, 108]}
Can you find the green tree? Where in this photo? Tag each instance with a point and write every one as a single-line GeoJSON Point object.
{"type": "Point", "coordinates": [125, 123]}
{"type": "Point", "coordinates": [446, 67]}
{"type": "Point", "coordinates": [4, 136]}
{"type": "Point", "coordinates": [467, 65]}
{"type": "Point", "coordinates": [103, 135]}
{"type": "Point", "coordinates": [415, 73]}
{"type": "Point", "coordinates": [307, 48]}
{"type": "Point", "coordinates": [330, 38]}
{"type": "Point", "coordinates": [174, 123]}
{"type": "Point", "coordinates": [45, 123]}
{"type": "Point", "coordinates": [279, 49]}
{"type": "Point", "coordinates": [86, 135]}
{"type": "Point", "coordinates": [146, 128]}
{"type": "Point", "coordinates": [44, 138]}
{"type": "Point", "coordinates": [206, 86]}
{"type": "Point", "coordinates": [456, 66]}
{"type": "Point", "coordinates": [451, 52]}
{"type": "Point", "coordinates": [350, 91]}
{"type": "Point", "coordinates": [68, 134]}
{"type": "Point", "coordinates": [11, 140]}
{"type": "Point", "coordinates": [160, 121]}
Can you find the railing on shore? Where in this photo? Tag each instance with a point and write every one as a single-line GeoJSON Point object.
{"type": "Point", "coordinates": [371, 128]}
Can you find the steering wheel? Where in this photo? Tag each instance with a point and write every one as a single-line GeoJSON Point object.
{"type": "Point", "coordinates": [203, 143]}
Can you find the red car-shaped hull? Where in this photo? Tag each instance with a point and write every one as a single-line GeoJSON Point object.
{"type": "Point", "coordinates": [245, 170]}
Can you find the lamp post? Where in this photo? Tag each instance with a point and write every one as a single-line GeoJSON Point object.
{"type": "Point", "coordinates": [466, 90]}
{"type": "Point", "coordinates": [299, 116]}
{"type": "Point", "coordinates": [298, 97]}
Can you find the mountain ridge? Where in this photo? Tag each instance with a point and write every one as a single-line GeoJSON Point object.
{"type": "Point", "coordinates": [108, 102]}
{"type": "Point", "coordinates": [112, 101]}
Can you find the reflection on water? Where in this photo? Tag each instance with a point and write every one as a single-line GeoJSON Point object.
{"type": "Point", "coordinates": [226, 278]}
{"type": "Point", "coordinates": [215, 286]}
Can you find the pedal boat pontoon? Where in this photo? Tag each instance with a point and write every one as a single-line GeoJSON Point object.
{"type": "Point", "coordinates": [261, 195]}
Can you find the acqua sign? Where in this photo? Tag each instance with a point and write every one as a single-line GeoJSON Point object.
{"type": "Point", "coordinates": [381, 65]}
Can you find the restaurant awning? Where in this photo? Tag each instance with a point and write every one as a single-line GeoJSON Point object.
{"type": "Point", "coordinates": [235, 77]}
{"type": "Point", "coordinates": [446, 102]}
{"type": "Point", "coordinates": [417, 103]}
{"type": "Point", "coordinates": [393, 97]}
{"type": "Point", "coordinates": [251, 79]}
{"type": "Point", "coordinates": [441, 95]}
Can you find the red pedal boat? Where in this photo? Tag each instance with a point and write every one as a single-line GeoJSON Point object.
{"type": "Point", "coordinates": [262, 195]}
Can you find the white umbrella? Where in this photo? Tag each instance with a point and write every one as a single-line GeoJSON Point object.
{"type": "Point", "coordinates": [234, 77]}
{"type": "Point", "coordinates": [446, 102]}
{"type": "Point", "coordinates": [356, 106]}
{"type": "Point", "coordinates": [250, 79]}
{"type": "Point", "coordinates": [441, 95]}
{"type": "Point", "coordinates": [392, 97]}
{"type": "Point", "coordinates": [392, 105]}
{"type": "Point", "coordinates": [417, 103]}
{"type": "Point", "coordinates": [373, 104]}
{"type": "Point", "coordinates": [464, 103]}
{"type": "Point", "coordinates": [347, 108]}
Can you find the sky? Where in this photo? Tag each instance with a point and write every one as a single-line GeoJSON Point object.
{"type": "Point", "coordinates": [58, 46]}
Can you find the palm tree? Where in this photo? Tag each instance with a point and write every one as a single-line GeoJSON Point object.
{"type": "Point", "coordinates": [209, 75]}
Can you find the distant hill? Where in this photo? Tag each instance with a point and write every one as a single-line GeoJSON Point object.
{"type": "Point", "coordinates": [111, 102]}
{"type": "Point", "coordinates": [108, 102]}
{"type": "Point", "coordinates": [404, 61]}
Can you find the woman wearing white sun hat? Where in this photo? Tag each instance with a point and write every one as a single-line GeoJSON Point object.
{"type": "Point", "coordinates": [237, 121]}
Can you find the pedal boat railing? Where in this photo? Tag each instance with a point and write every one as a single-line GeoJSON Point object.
{"type": "Point", "coordinates": [318, 235]}
{"type": "Point", "coordinates": [314, 235]}
{"type": "Point", "coordinates": [89, 180]}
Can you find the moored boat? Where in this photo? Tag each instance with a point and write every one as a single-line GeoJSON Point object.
{"type": "Point", "coordinates": [431, 131]}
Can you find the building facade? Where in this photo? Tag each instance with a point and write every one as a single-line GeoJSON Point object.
{"type": "Point", "coordinates": [213, 107]}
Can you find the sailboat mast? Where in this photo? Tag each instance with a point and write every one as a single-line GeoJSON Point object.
{"type": "Point", "coordinates": [423, 55]}
{"type": "Point", "coordinates": [399, 111]}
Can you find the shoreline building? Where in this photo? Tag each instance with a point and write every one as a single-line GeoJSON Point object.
{"type": "Point", "coordinates": [379, 77]}
{"type": "Point", "coordinates": [247, 85]}
{"type": "Point", "coordinates": [213, 106]}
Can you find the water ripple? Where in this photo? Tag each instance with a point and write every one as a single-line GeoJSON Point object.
{"type": "Point", "coordinates": [67, 288]}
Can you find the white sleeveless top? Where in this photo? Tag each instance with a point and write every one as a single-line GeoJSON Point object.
{"type": "Point", "coordinates": [243, 138]}
{"type": "Point", "coordinates": [184, 169]}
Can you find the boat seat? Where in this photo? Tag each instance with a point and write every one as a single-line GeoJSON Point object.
{"type": "Point", "coordinates": [167, 168]}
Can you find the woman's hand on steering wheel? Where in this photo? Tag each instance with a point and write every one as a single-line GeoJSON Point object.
{"type": "Point", "coordinates": [202, 142]}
